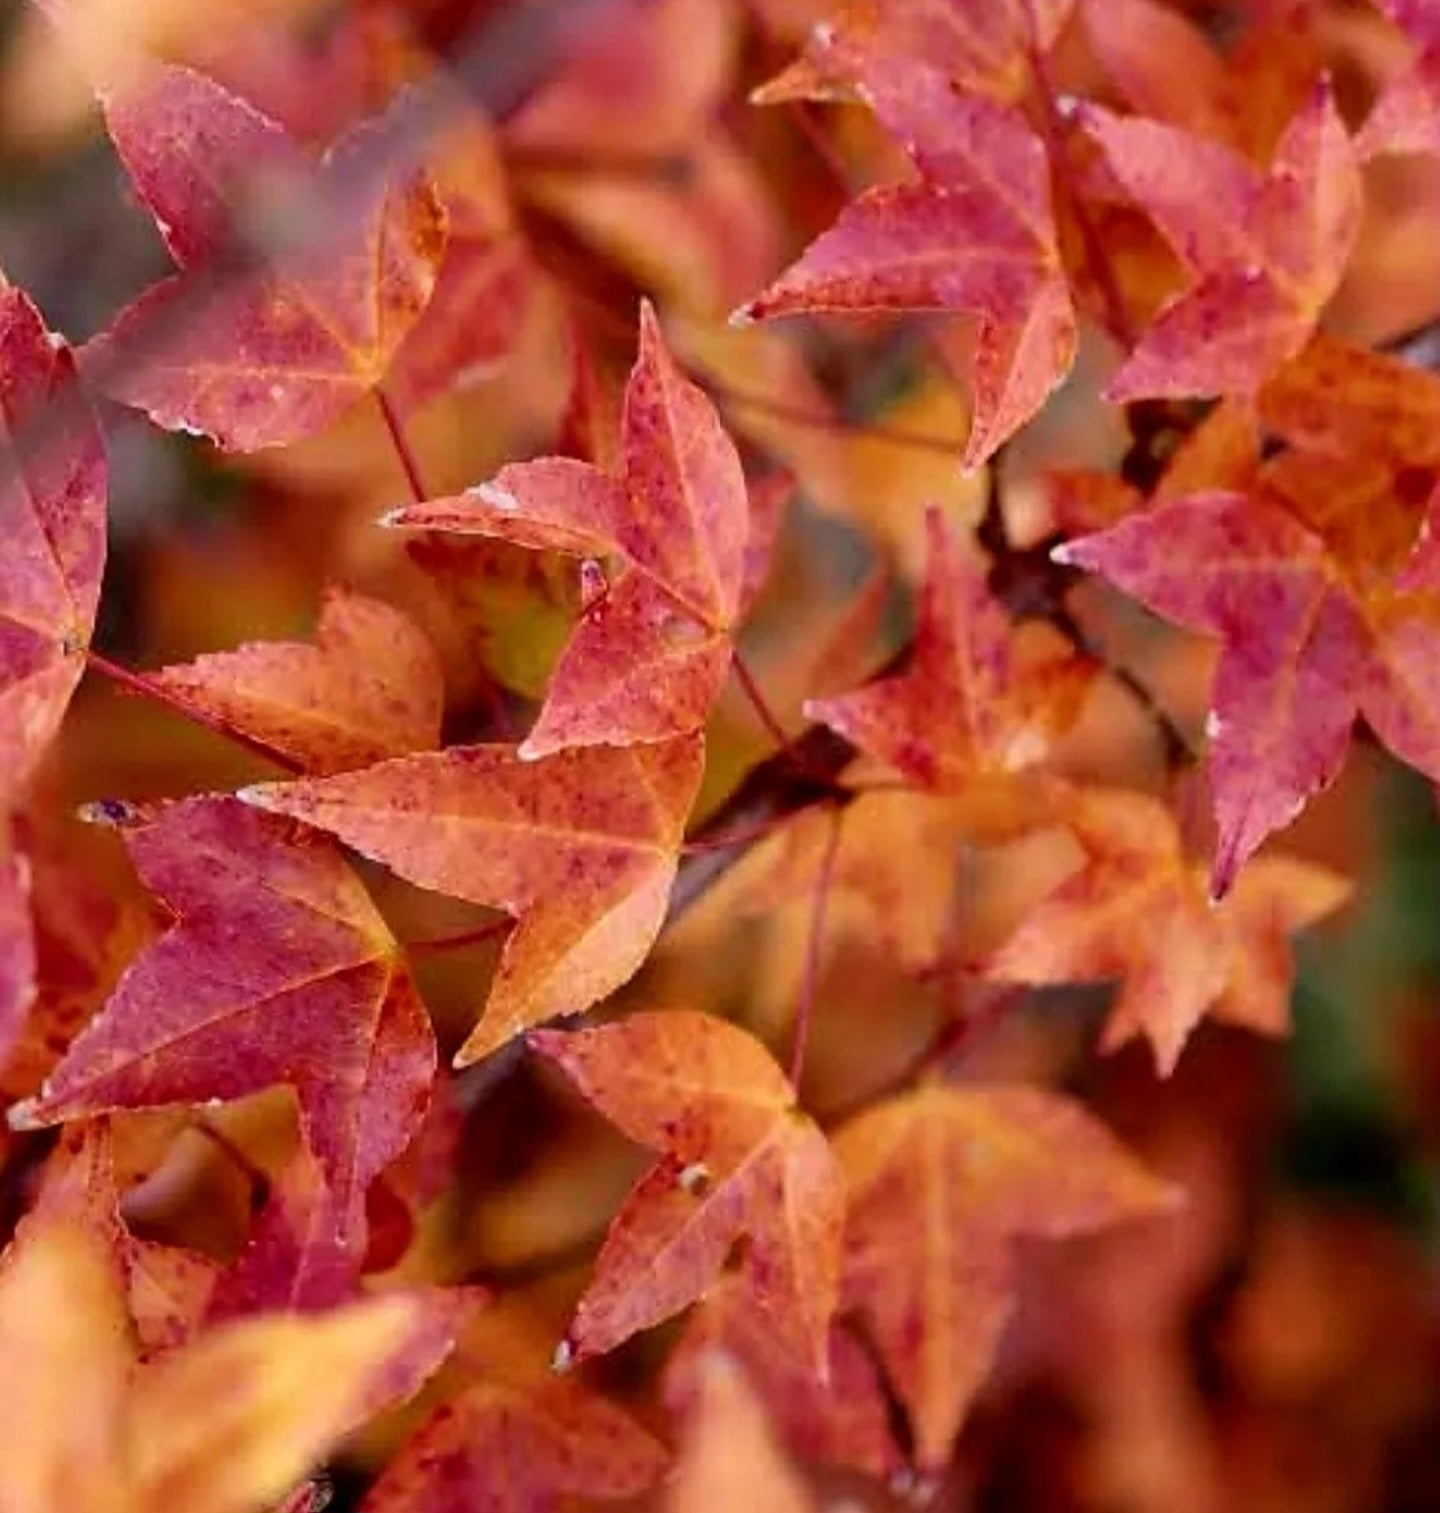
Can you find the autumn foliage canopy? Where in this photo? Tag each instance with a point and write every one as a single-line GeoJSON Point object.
{"type": "Point", "coordinates": [702, 712]}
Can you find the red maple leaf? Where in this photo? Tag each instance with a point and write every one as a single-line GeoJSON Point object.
{"type": "Point", "coordinates": [650, 654]}
{"type": "Point", "coordinates": [582, 847]}
{"type": "Point", "coordinates": [1313, 632]}
{"type": "Point", "coordinates": [277, 351]}
{"type": "Point", "coordinates": [1266, 249]}
{"type": "Point", "coordinates": [278, 970]}
{"type": "Point", "coordinates": [975, 234]}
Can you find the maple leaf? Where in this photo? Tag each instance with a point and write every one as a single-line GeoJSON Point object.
{"type": "Point", "coordinates": [277, 352]}
{"type": "Point", "coordinates": [52, 536]}
{"type": "Point", "coordinates": [1406, 116]}
{"type": "Point", "coordinates": [370, 688]}
{"type": "Point", "coordinates": [729, 1458]}
{"type": "Point", "coordinates": [1138, 909]}
{"type": "Point", "coordinates": [278, 970]}
{"type": "Point", "coordinates": [737, 1157]}
{"type": "Point", "coordinates": [296, 1258]}
{"type": "Point", "coordinates": [986, 48]}
{"type": "Point", "coordinates": [17, 949]}
{"type": "Point", "coordinates": [976, 234]}
{"type": "Point", "coordinates": [1267, 249]}
{"type": "Point", "coordinates": [942, 1180]}
{"type": "Point", "coordinates": [229, 1423]}
{"type": "Point", "coordinates": [649, 656]}
{"type": "Point", "coordinates": [486, 279]}
{"type": "Point", "coordinates": [842, 1422]}
{"type": "Point", "coordinates": [1314, 632]}
{"type": "Point", "coordinates": [582, 847]}
{"type": "Point", "coordinates": [506, 1448]}
{"type": "Point", "coordinates": [967, 715]}
{"type": "Point", "coordinates": [167, 1289]}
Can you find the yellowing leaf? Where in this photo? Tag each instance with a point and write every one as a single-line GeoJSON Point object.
{"type": "Point", "coordinates": [736, 1157]}
{"type": "Point", "coordinates": [941, 1181]}
{"type": "Point", "coordinates": [369, 688]}
{"type": "Point", "coordinates": [582, 847]}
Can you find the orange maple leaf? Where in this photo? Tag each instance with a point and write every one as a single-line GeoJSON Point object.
{"type": "Point", "coordinates": [1138, 909]}
{"type": "Point", "coordinates": [370, 688]}
{"type": "Point", "coordinates": [581, 846]}
{"type": "Point", "coordinates": [969, 714]}
{"type": "Point", "coordinates": [167, 1289]}
{"type": "Point", "coordinates": [942, 1180]}
{"type": "Point", "coordinates": [729, 1457]}
{"type": "Point", "coordinates": [840, 1422]}
{"type": "Point", "coordinates": [228, 1423]}
{"type": "Point", "coordinates": [649, 656]}
{"type": "Point", "coordinates": [737, 1158]}
{"type": "Point", "coordinates": [1266, 249]}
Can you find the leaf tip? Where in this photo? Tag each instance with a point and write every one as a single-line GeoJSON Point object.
{"type": "Point", "coordinates": [743, 316]}
{"type": "Point", "coordinates": [563, 1358]}
{"type": "Point", "coordinates": [393, 519]}
{"type": "Point", "coordinates": [22, 1117]}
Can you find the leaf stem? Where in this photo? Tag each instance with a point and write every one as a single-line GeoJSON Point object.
{"type": "Point", "coordinates": [810, 972]}
{"type": "Point", "coordinates": [756, 696]}
{"type": "Point", "coordinates": [408, 465]}
{"type": "Point", "coordinates": [460, 939]}
{"type": "Point", "coordinates": [1179, 752]}
{"type": "Point", "coordinates": [147, 688]}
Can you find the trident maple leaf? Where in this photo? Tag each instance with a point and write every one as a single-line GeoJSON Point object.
{"type": "Point", "coordinates": [1137, 909]}
{"type": "Point", "coordinates": [649, 656]}
{"type": "Point", "coordinates": [277, 353]}
{"type": "Point", "coordinates": [737, 1158]}
{"type": "Point", "coordinates": [976, 234]}
{"type": "Point", "coordinates": [942, 1180]}
{"type": "Point", "coordinates": [1267, 249]}
{"type": "Point", "coordinates": [581, 846]}
{"type": "Point", "coordinates": [1314, 632]}
{"type": "Point", "coordinates": [227, 1424]}
{"type": "Point", "coordinates": [370, 688]}
{"type": "Point", "coordinates": [52, 536]}
{"type": "Point", "coordinates": [967, 715]}
{"type": "Point", "coordinates": [277, 970]}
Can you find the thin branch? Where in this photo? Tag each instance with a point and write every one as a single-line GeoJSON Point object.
{"type": "Point", "coordinates": [756, 696]}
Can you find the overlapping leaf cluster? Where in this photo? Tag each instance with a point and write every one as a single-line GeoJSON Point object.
{"type": "Point", "coordinates": [846, 1268]}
